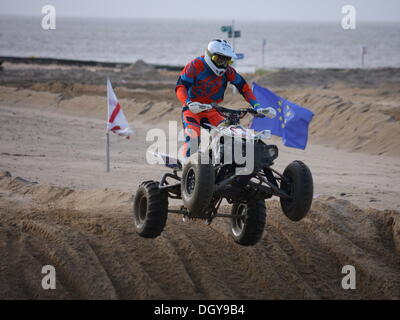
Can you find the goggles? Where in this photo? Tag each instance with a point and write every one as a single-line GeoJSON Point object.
{"type": "Point", "coordinates": [221, 61]}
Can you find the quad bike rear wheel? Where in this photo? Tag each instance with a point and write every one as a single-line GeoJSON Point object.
{"type": "Point", "coordinates": [298, 184]}
{"type": "Point", "coordinates": [197, 186]}
{"type": "Point", "coordinates": [150, 210]}
{"type": "Point", "coordinates": [248, 222]}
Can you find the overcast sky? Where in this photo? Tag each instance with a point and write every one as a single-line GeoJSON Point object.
{"type": "Point", "coordinates": [263, 10]}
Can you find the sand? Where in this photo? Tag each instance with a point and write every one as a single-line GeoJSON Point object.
{"type": "Point", "coordinates": [88, 237]}
{"type": "Point", "coordinates": [58, 205]}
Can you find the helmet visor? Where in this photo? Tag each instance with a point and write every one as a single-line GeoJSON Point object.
{"type": "Point", "coordinates": [221, 61]}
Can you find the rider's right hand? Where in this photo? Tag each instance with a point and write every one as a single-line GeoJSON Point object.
{"type": "Point", "coordinates": [197, 107]}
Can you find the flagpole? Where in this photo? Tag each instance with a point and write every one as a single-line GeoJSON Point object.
{"type": "Point", "coordinates": [108, 132]}
{"type": "Point", "coordinates": [108, 150]}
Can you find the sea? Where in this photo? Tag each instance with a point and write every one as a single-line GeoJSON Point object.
{"type": "Point", "coordinates": [175, 42]}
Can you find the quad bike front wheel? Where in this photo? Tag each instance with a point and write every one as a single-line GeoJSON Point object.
{"type": "Point", "coordinates": [150, 210]}
{"type": "Point", "coordinates": [298, 184]}
{"type": "Point", "coordinates": [248, 222]}
{"type": "Point", "coordinates": [197, 186]}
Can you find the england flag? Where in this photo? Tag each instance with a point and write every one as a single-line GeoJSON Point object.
{"type": "Point", "coordinates": [117, 122]}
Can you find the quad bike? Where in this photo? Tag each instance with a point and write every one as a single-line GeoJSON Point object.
{"type": "Point", "coordinates": [202, 187]}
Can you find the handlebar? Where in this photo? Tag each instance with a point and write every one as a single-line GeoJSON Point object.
{"type": "Point", "coordinates": [241, 112]}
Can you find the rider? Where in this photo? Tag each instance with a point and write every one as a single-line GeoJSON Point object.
{"type": "Point", "coordinates": [203, 82]}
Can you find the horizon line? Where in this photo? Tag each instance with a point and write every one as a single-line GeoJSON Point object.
{"type": "Point", "coordinates": [196, 19]}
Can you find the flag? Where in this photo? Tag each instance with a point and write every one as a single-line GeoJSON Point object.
{"type": "Point", "coordinates": [117, 122]}
{"type": "Point", "coordinates": [291, 121]}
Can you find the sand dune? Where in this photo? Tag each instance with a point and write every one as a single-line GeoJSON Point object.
{"type": "Point", "coordinates": [90, 240]}
{"type": "Point", "coordinates": [355, 110]}
{"type": "Point", "coordinates": [369, 123]}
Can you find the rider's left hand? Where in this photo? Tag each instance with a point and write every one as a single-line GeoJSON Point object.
{"type": "Point", "coordinates": [271, 113]}
{"type": "Point", "coordinates": [268, 112]}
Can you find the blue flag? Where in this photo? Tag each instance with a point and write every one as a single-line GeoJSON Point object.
{"type": "Point", "coordinates": [291, 121]}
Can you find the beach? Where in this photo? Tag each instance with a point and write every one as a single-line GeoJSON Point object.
{"type": "Point", "coordinates": [58, 203]}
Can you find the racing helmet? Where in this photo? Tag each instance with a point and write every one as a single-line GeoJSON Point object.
{"type": "Point", "coordinates": [219, 55]}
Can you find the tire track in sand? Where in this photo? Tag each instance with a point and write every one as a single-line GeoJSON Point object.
{"type": "Point", "coordinates": [98, 255]}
